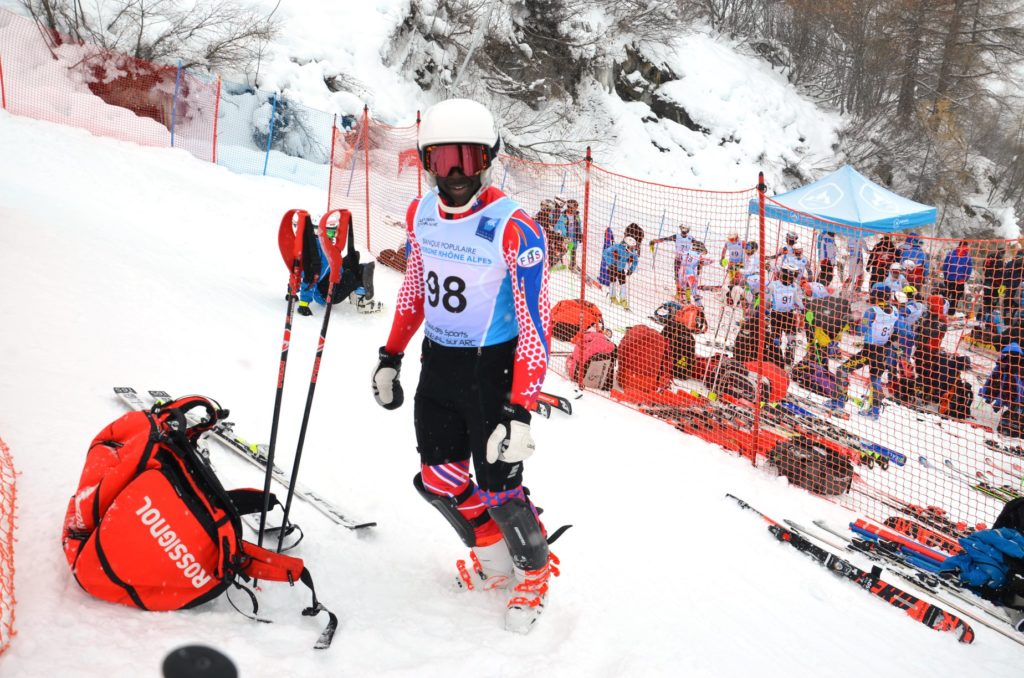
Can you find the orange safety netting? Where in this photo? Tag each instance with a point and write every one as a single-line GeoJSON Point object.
{"type": "Point", "coordinates": [682, 327]}
{"type": "Point", "coordinates": [7, 508]}
{"type": "Point", "coordinates": [49, 76]}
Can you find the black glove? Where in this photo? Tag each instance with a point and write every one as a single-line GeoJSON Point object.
{"type": "Point", "coordinates": [387, 390]}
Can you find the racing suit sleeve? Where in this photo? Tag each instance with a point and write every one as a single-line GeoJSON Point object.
{"type": "Point", "coordinates": [525, 252]}
{"type": "Point", "coordinates": [409, 305]}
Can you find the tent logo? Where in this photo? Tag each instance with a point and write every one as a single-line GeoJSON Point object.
{"type": "Point", "coordinates": [877, 198]}
{"type": "Point", "coordinates": [822, 198]}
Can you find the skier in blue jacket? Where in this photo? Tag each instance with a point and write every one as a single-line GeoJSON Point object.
{"type": "Point", "coordinates": [877, 327]}
{"type": "Point", "coordinates": [622, 259]}
{"type": "Point", "coordinates": [957, 268]}
{"type": "Point", "coordinates": [912, 249]}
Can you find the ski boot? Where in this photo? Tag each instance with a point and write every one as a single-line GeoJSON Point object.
{"type": "Point", "coordinates": [534, 564]}
{"type": "Point", "coordinates": [304, 308]}
{"type": "Point", "coordinates": [874, 405]}
{"type": "Point", "coordinates": [836, 407]}
{"type": "Point", "coordinates": [364, 305]}
{"type": "Point", "coordinates": [490, 569]}
{"type": "Point", "coordinates": [624, 303]}
{"type": "Point", "coordinates": [528, 596]}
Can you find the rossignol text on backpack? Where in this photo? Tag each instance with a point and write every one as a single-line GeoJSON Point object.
{"type": "Point", "coordinates": [150, 525]}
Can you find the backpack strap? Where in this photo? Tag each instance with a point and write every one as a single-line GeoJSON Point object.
{"type": "Point", "coordinates": [249, 500]}
{"type": "Point", "coordinates": [261, 563]}
{"type": "Point", "coordinates": [199, 424]}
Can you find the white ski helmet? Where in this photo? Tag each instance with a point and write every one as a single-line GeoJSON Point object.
{"type": "Point", "coordinates": [459, 121]}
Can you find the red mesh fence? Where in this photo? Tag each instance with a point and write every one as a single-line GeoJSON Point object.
{"type": "Point", "coordinates": [946, 382]}
{"type": "Point", "coordinates": [7, 508]}
{"type": "Point", "coordinates": [52, 77]}
{"type": "Point", "coordinates": [48, 76]}
{"type": "Point", "coordinates": [674, 274]}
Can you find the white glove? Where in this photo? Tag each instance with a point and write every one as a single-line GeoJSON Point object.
{"type": "Point", "coordinates": [387, 389]}
{"type": "Point", "coordinates": [511, 441]}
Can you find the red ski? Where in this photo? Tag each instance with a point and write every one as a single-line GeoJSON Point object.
{"type": "Point", "coordinates": [917, 609]}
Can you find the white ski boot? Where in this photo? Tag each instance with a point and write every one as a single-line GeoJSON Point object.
{"type": "Point", "coordinates": [490, 568]}
{"type": "Point", "coordinates": [528, 596]}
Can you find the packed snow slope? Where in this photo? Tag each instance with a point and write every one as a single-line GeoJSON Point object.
{"type": "Point", "coordinates": [145, 267]}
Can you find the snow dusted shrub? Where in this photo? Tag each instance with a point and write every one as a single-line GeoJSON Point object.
{"type": "Point", "coordinates": [294, 131]}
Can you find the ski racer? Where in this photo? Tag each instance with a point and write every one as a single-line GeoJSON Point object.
{"type": "Point", "coordinates": [622, 259]}
{"type": "Point", "coordinates": [877, 327]}
{"type": "Point", "coordinates": [785, 314]}
{"type": "Point", "coordinates": [895, 280]}
{"type": "Point", "coordinates": [815, 290]}
{"type": "Point", "coordinates": [688, 277]}
{"type": "Point", "coordinates": [573, 230]}
{"type": "Point", "coordinates": [791, 239]}
{"type": "Point", "coordinates": [683, 243]}
{"type": "Point", "coordinates": [733, 258]}
{"type": "Point", "coordinates": [797, 259]}
{"type": "Point", "coordinates": [828, 252]}
{"type": "Point", "coordinates": [477, 279]}
{"type": "Point", "coordinates": [912, 249]}
{"type": "Point", "coordinates": [752, 273]}
{"type": "Point", "coordinates": [856, 248]}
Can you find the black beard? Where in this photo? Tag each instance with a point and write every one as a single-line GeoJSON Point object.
{"type": "Point", "coordinates": [458, 198]}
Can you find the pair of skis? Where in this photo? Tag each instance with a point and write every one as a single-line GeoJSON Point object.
{"type": "Point", "coordinates": [910, 561]}
{"type": "Point", "coordinates": [225, 435]}
{"type": "Point", "coordinates": [980, 483]}
{"type": "Point", "coordinates": [920, 610]}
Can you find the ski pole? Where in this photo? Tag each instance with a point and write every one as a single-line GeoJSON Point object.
{"type": "Point", "coordinates": [333, 252]}
{"type": "Point", "coordinates": [654, 254]}
{"type": "Point", "coordinates": [290, 243]}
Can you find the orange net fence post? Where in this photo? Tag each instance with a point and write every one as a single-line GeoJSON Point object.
{"type": "Point", "coordinates": [7, 509]}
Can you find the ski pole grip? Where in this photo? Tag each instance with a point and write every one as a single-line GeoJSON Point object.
{"type": "Point", "coordinates": [332, 249]}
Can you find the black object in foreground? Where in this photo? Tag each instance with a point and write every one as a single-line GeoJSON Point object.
{"type": "Point", "coordinates": [198, 661]}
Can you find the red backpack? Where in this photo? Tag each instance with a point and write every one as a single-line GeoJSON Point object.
{"type": "Point", "coordinates": [644, 360]}
{"type": "Point", "coordinates": [569, 317]}
{"type": "Point", "coordinates": [150, 525]}
{"type": "Point", "coordinates": [592, 362]}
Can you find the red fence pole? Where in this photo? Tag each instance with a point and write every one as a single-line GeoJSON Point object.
{"type": "Point", "coordinates": [583, 262]}
{"type": "Point", "coordinates": [330, 167]}
{"type": "Point", "coordinates": [3, 95]}
{"type": "Point", "coordinates": [586, 222]}
{"type": "Point", "coordinates": [366, 165]}
{"type": "Point", "coordinates": [760, 316]}
{"type": "Point", "coordinates": [419, 165]}
{"type": "Point", "coordinates": [216, 114]}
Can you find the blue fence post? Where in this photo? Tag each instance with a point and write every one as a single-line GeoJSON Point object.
{"type": "Point", "coordinates": [270, 133]}
{"type": "Point", "coordinates": [352, 170]}
{"type": "Point", "coordinates": [503, 177]}
{"type": "Point", "coordinates": [561, 189]}
{"type": "Point", "coordinates": [174, 102]}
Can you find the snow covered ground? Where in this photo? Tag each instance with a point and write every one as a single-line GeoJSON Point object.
{"type": "Point", "coordinates": [128, 265]}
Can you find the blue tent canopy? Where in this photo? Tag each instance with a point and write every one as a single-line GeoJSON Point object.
{"type": "Point", "coordinates": [848, 197]}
